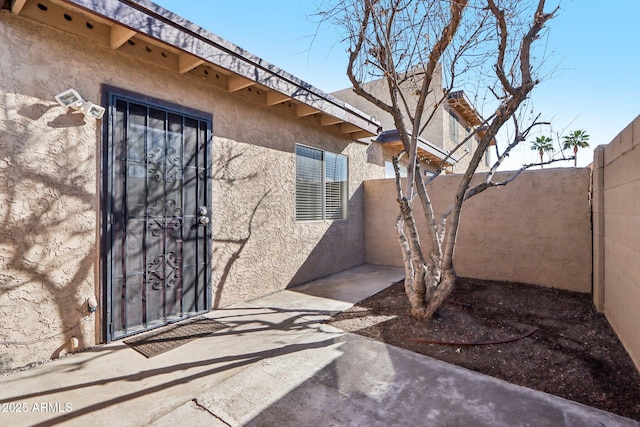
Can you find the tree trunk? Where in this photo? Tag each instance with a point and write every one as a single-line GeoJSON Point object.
{"type": "Point", "coordinates": [424, 308]}
{"type": "Point", "coordinates": [575, 155]}
{"type": "Point", "coordinates": [426, 284]}
{"type": "Point", "coordinates": [541, 153]}
{"type": "Point", "coordinates": [440, 293]}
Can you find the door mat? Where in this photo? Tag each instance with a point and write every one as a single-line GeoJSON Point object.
{"type": "Point", "coordinates": [157, 342]}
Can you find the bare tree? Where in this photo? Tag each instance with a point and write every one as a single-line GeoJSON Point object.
{"type": "Point", "coordinates": [476, 43]}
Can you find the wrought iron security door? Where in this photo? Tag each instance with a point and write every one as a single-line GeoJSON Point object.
{"type": "Point", "coordinates": [158, 212]}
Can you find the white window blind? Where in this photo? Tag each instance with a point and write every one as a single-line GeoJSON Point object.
{"type": "Point", "coordinates": [309, 177]}
{"type": "Point", "coordinates": [321, 184]}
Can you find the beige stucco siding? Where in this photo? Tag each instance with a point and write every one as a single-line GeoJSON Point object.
{"type": "Point", "coordinates": [50, 188]}
{"type": "Point", "coordinates": [280, 251]}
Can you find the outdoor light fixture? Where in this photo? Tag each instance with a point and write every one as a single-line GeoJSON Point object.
{"type": "Point", "coordinates": [70, 98]}
{"type": "Point", "coordinates": [92, 305]}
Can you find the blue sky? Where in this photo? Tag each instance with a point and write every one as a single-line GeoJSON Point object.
{"type": "Point", "coordinates": [592, 78]}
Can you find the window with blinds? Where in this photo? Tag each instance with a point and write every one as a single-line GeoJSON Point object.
{"type": "Point", "coordinates": [321, 184]}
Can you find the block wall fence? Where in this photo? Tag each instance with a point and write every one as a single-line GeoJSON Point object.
{"type": "Point", "coordinates": [535, 230]}
{"type": "Point", "coordinates": [567, 228]}
{"type": "Point", "coordinates": [616, 235]}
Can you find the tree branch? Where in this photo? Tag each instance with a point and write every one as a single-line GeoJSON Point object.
{"type": "Point", "coordinates": [501, 25]}
{"type": "Point", "coordinates": [456, 11]}
{"type": "Point", "coordinates": [506, 110]}
{"type": "Point", "coordinates": [353, 56]}
{"type": "Point", "coordinates": [485, 185]}
{"type": "Point", "coordinates": [519, 137]}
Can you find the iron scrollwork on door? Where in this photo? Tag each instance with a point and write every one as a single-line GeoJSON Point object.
{"type": "Point", "coordinates": [158, 267]}
{"type": "Point", "coordinates": [165, 269]}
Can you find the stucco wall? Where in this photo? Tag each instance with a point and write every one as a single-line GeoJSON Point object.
{"type": "Point", "coordinates": [616, 218]}
{"type": "Point", "coordinates": [535, 230]}
{"type": "Point", "coordinates": [50, 166]}
{"type": "Point", "coordinates": [48, 201]}
{"type": "Point", "coordinates": [436, 131]}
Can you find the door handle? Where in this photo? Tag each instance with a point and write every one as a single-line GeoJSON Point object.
{"type": "Point", "coordinates": [203, 219]}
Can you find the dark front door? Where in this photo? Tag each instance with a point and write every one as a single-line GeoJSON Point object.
{"type": "Point", "coordinates": [158, 212]}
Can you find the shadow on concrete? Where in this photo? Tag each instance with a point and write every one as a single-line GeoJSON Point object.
{"type": "Point", "coordinates": [239, 325]}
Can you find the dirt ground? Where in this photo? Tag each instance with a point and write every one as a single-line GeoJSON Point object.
{"type": "Point", "coordinates": [571, 351]}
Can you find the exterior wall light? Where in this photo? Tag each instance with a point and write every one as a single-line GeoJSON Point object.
{"type": "Point", "coordinates": [92, 305]}
{"type": "Point", "coordinates": [70, 98]}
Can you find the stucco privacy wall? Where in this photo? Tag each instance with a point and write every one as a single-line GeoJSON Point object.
{"type": "Point", "coordinates": [616, 235]}
{"type": "Point", "coordinates": [535, 230]}
{"type": "Point", "coordinates": [50, 166]}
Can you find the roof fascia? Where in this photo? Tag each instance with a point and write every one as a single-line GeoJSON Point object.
{"type": "Point", "coordinates": [148, 18]}
{"type": "Point", "coordinates": [393, 136]}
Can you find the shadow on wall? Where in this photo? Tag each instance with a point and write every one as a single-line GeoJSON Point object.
{"type": "Point", "coordinates": [47, 231]}
{"type": "Point", "coordinates": [258, 248]}
{"type": "Point", "coordinates": [341, 246]}
{"type": "Point", "coordinates": [228, 172]}
{"type": "Point", "coordinates": [238, 246]}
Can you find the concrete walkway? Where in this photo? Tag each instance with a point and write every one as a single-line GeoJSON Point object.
{"type": "Point", "coordinates": [277, 365]}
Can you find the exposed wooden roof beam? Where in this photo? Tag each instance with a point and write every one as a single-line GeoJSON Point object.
{"type": "Point", "coordinates": [348, 128]}
{"type": "Point", "coordinates": [188, 62]}
{"type": "Point", "coordinates": [120, 35]}
{"type": "Point", "coordinates": [361, 134]}
{"type": "Point", "coordinates": [17, 5]}
{"type": "Point", "coordinates": [237, 83]}
{"type": "Point", "coordinates": [161, 26]}
{"type": "Point", "coordinates": [459, 101]}
{"type": "Point", "coordinates": [303, 110]}
{"type": "Point", "coordinates": [422, 153]}
{"type": "Point", "coordinates": [329, 120]}
{"type": "Point", "coordinates": [275, 97]}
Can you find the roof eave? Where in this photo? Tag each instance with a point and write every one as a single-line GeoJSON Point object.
{"type": "Point", "coordinates": [458, 101]}
{"type": "Point", "coordinates": [425, 148]}
{"type": "Point", "coordinates": [149, 19]}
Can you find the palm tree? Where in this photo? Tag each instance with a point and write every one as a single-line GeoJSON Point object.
{"type": "Point", "coordinates": [542, 144]}
{"type": "Point", "coordinates": [576, 139]}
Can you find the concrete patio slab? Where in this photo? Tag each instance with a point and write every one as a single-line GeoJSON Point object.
{"type": "Point", "coordinates": [277, 364]}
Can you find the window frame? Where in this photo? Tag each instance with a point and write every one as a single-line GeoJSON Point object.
{"type": "Point", "coordinates": [389, 171]}
{"type": "Point", "coordinates": [323, 201]}
{"type": "Point", "coordinates": [454, 127]}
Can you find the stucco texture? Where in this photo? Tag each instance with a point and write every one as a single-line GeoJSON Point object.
{"type": "Point", "coordinates": [48, 179]}
{"type": "Point", "coordinates": [535, 230]}
{"type": "Point", "coordinates": [50, 189]}
{"type": "Point", "coordinates": [258, 245]}
{"type": "Point", "coordinates": [617, 235]}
